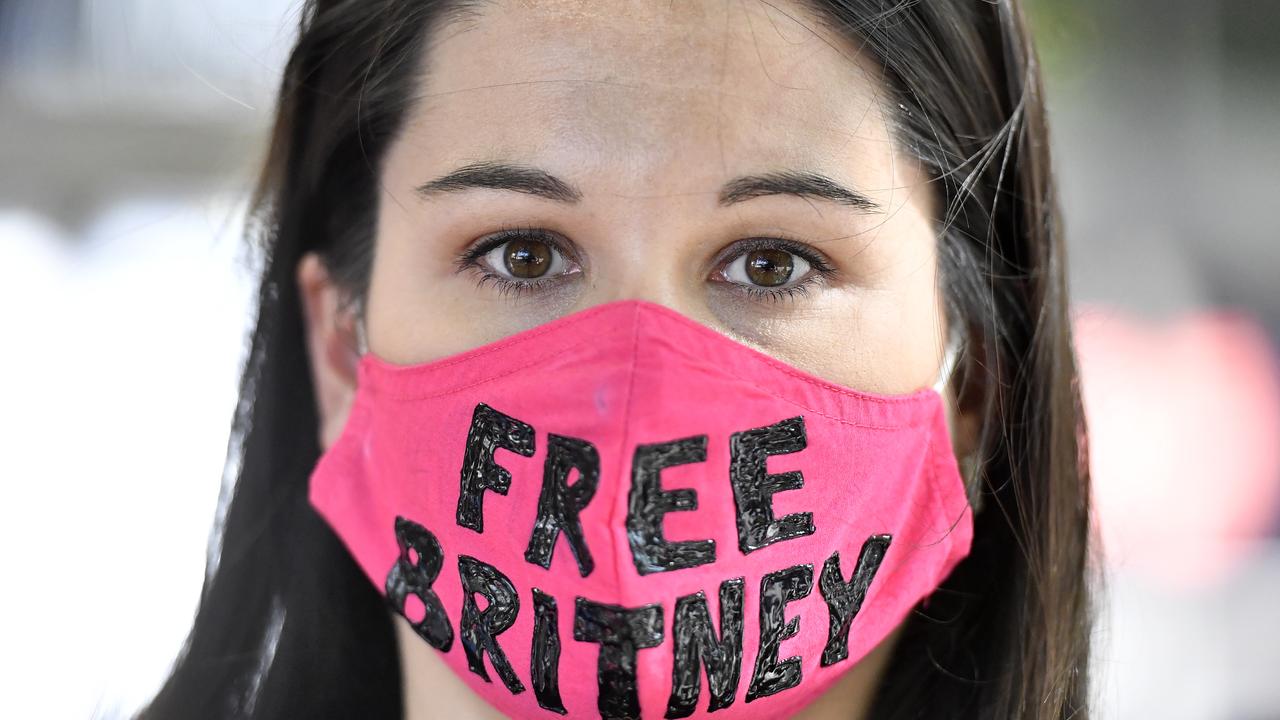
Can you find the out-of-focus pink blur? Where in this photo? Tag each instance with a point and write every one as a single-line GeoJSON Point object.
{"type": "Point", "coordinates": [1184, 422]}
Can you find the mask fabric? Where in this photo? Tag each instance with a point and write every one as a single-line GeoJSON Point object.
{"type": "Point", "coordinates": [624, 513]}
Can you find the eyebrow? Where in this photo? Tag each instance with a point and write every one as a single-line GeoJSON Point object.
{"type": "Point", "coordinates": [799, 184]}
{"type": "Point", "coordinates": [503, 176]}
{"type": "Point", "coordinates": [538, 182]}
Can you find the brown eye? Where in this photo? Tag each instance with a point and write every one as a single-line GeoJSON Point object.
{"type": "Point", "coordinates": [527, 258]}
{"type": "Point", "coordinates": [766, 268]}
{"type": "Point", "coordinates": [769, 267]}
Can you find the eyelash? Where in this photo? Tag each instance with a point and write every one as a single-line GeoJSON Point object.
{"type": "Point", "coordinates": [470, 260]}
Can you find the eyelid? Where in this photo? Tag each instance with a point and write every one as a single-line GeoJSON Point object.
{"type": "Point", "coordinates": [820, 269]}
{"type": "Point", "coordinates": [506, 233]}
{"type": "Point", "coordinates": [816, 260]}
{"type": "Point", "coordinates": [820, 273]}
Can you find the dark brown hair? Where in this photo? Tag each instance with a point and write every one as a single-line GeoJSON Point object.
{"type": "Point", "coordinates": [288, 626]}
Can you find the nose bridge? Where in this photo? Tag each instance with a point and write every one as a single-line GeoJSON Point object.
{"type": "Point", "coordinates": [662, 291]}
{"type": "Point", "coordinates": [650, 249]}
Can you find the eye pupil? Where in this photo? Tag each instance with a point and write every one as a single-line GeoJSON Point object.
{"type": "Point", "coordinates": [769, 267]}
{"type": "Point", "coordinates": [527, 258]}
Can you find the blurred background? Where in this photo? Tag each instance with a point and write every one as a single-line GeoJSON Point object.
{"type": "Point", "coordinates": [129, 134]}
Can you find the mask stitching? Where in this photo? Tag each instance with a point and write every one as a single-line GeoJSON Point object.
{"type": "Point", "coordinates": [384, 368]}
{"type": "Point", "coordinates": [756, 356]}
{"type": "Point", "coordinates": [906, 425]}
{"type": "Point", "coordinates": [914, 398]}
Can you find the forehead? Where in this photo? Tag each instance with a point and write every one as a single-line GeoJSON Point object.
{"type": "Point", "coordinates": [694, 89]}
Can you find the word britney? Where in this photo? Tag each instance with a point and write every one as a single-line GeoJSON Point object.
{"type": "Point", "coordinates": [620, 631]}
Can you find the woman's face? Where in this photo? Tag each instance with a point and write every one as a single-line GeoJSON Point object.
{"type": "Point", "coordinates": [724, 159]}
{"type": "Point", "coordinates": [732, 161]}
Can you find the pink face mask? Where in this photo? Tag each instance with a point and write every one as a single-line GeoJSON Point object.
{"type": "Point", "coordinates": [625, 513]}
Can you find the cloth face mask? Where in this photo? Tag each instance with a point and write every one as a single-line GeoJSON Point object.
{"type": "Point", "coordinates": [625, 513]}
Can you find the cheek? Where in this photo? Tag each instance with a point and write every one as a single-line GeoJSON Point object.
{"type": "Point", "coordinates": [878, 341]}
{"type": "Point", "coordinates": [415, 312]}
{"type": "Point", "coordinates": [882, 334]}
{"type": "Point", "coordinates": [886, 330]}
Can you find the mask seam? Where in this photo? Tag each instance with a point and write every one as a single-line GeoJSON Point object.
{"type": "Point", "coordinates": [941, 493]}
{"type": "Point", "coordinates": [756, 356]}
{"type": "Point", "coordinates": [937, 494]}
{"type": "Point", "coordinates": [869, 426]}
{"type": "Point", "coordinates": [904, 426]}
{"type": "Point", "coordinates": [910, 551]}
{"type": "Point", "coordinates": [618, 560]}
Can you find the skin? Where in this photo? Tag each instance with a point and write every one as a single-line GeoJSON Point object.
{"type": "Point", "coordinates": [647, 109]}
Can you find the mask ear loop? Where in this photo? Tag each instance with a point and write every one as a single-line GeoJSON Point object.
{"type": "Point", "coordinates": [362, 340]}
{"type": "Point", "coordinates": [362, 336]}
{"type": "Point", "coordinates": [968, 465]}
{"type": "Point", "coordinates": [950, 356]}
